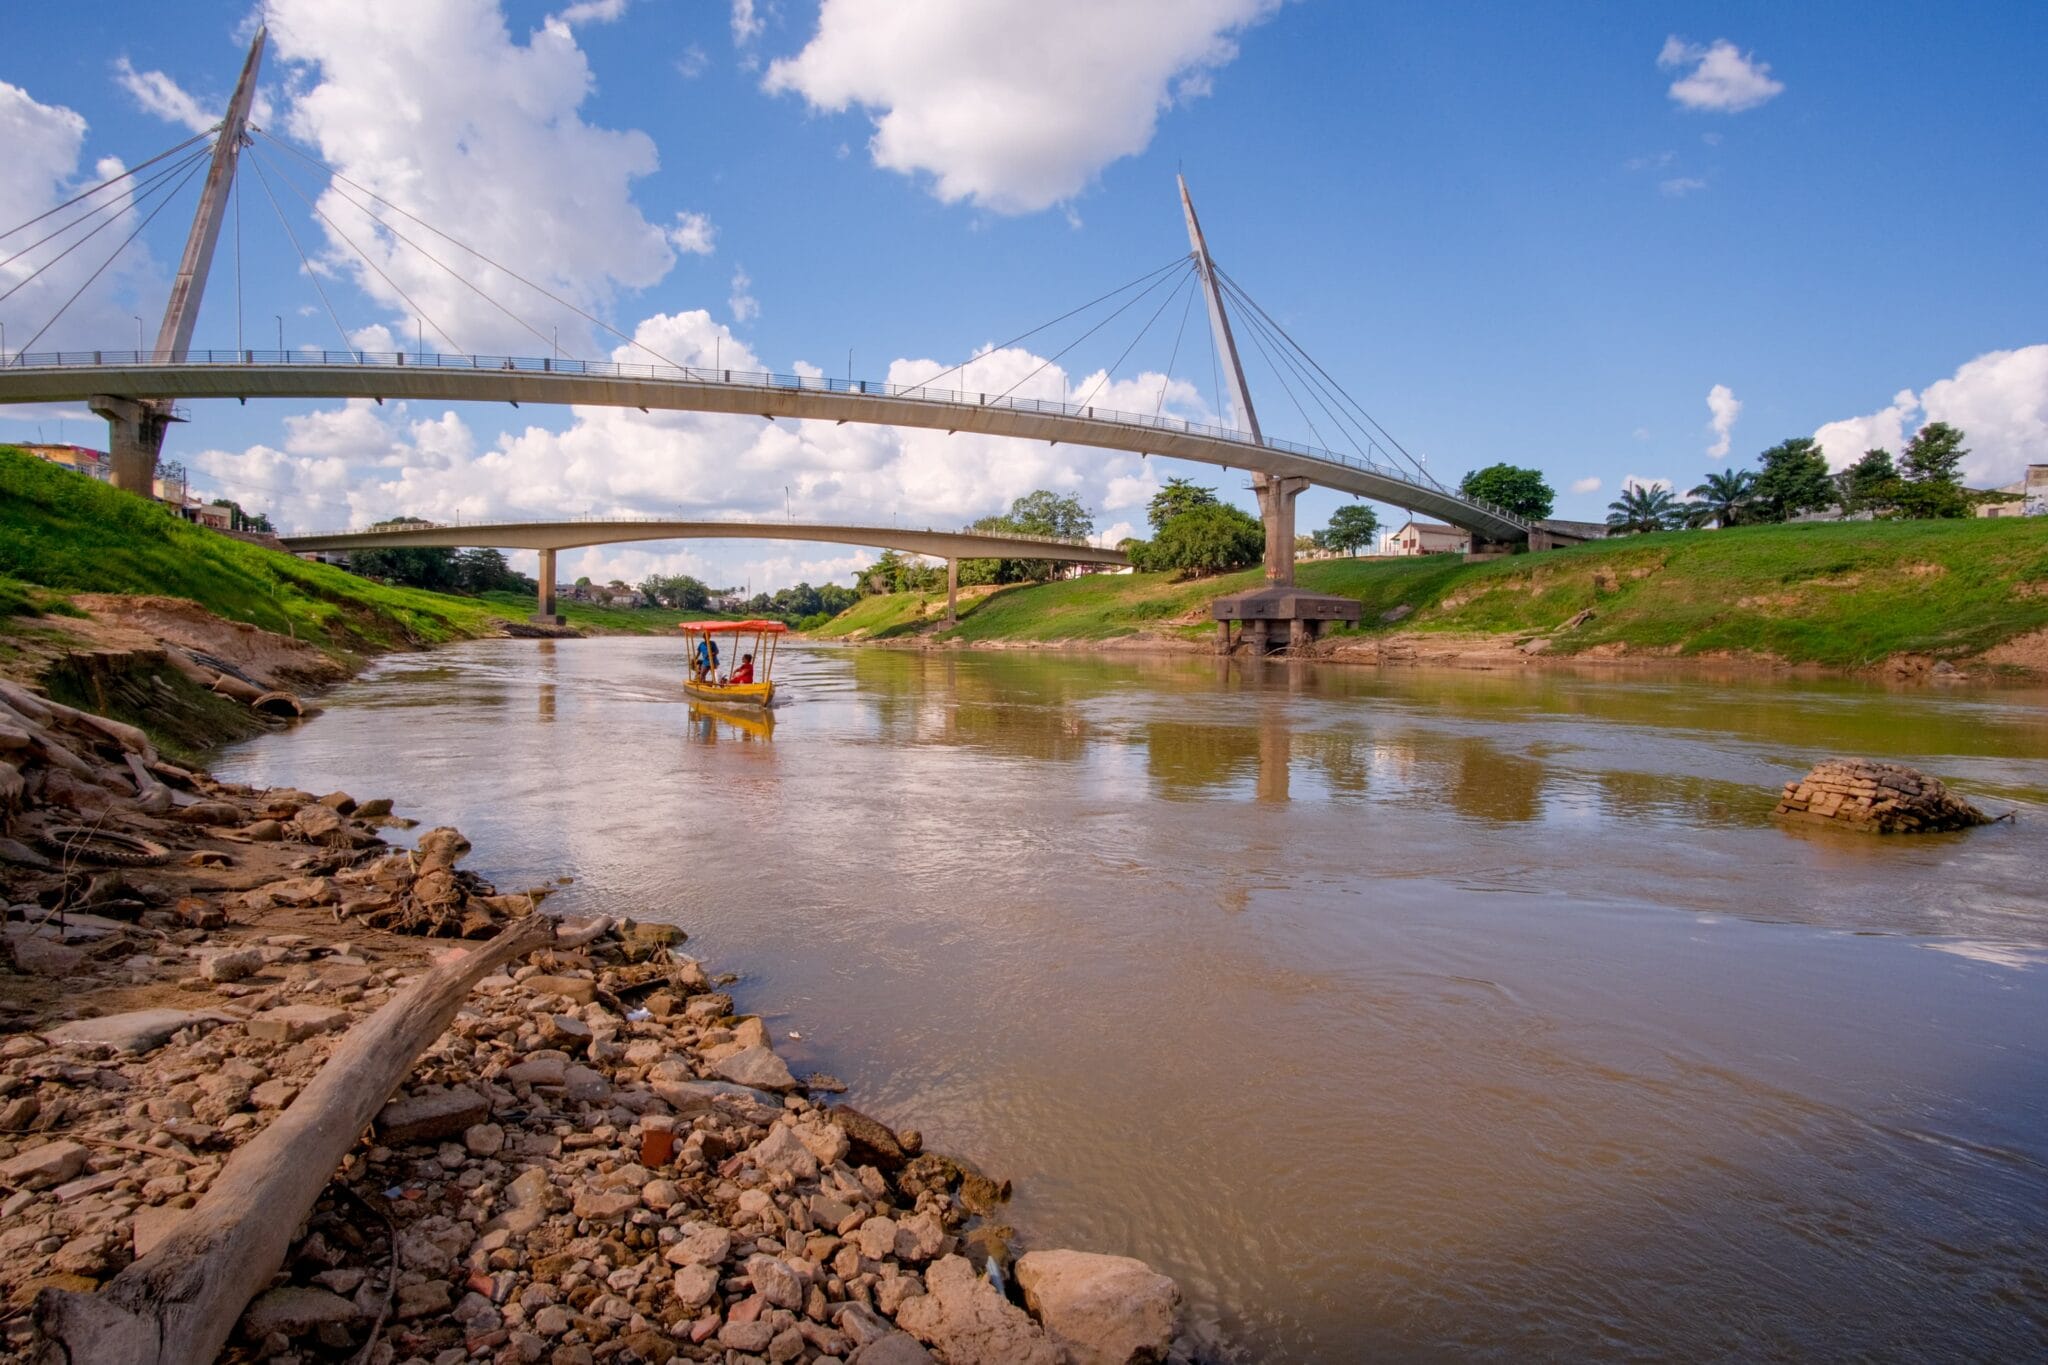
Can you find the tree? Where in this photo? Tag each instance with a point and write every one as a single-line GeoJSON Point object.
{"type": "Point", "coordinates": [1723, 498]}
{"type": "Point", "coordinates": [1642, 508]}
{"type": "Point", "coordinates": [1517, 490]}
{"type": "Point", "coordinates": [1871, 484]}
{"type": "Point", "coordinates": [485, 570]}
{"type": "Point", "coordinates": [1793, 479]}
{"type": "Point", "coordinates": [1935, 453]}
{"type": "Point", "coordinates": [238, 520]}
{"type": "Point", "coordinates": [1351, 526]}
{"type": "Point", "coordinates": [897, 572]}
{"type": "Point", "coordinates": [1176, 497]}
{"type": "Point", "coordinates": [680, 591]}
{"type": "Point", "coordinates": [1041, 512]}
{"type": "Point", "coordinates": [1933, 485]}
{"type": "Point", "coordinates": [431, 567]}
{"type": "Point", "coordinates": [1205, 539]}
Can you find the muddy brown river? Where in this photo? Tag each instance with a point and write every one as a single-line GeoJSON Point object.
{"type": "Point", "coordinates": [1399, 1015]}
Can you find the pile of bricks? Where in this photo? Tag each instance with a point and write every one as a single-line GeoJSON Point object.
{"type": "Point", "coordinates": [1878, 798]}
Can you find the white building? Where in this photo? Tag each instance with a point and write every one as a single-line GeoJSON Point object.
{"type": "Point", "coordinates": [2031, 486]}
{"type": "Point", "coordinates": [1414, 537]}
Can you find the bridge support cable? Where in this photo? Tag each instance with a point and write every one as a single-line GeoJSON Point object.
{"type": "Point", "coordinates": [1186, 281]}
{"type": "Point", "coordinates": [111, 257]}
{"type": "Point", "coordinates": [542, 290]}
{"type": "Point", "coordinates": [111, 211]}
{"type": "Point", "coordinates": [1259, 344]}
{"type": "Point", "coordinates": [1120, 310]}
{"type": "Point", "coordinates": [304, 264]}
{"type": "Point", "coordinates": [1166, 379]}
{"type": "Point", "coordinates": [1173, 264]}
{"type": "Point", "coordinates": [1252, 303]}
{"type": "Point", "coordinates": [371, 262]}
{"type": "Point", "coordinates": [1362, 443]}
{"type": "Point", "coordinates": [454, 274]}
{"type": "Point", "coordinates": [106, 184]}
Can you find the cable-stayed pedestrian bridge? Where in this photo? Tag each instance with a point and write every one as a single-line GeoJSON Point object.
{"type": "Point", "coordinates": [80, 376]}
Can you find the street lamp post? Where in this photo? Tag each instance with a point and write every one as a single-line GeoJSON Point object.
{"type": "Point", "coordinates": [138, 336]}
{"type": "Point", "coordinates": [280, 334]}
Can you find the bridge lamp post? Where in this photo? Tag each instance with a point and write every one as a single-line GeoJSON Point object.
{"type": "Point", "coordinates": [280, 333]}
{"type": "Point", "coordinates": [138, 336]}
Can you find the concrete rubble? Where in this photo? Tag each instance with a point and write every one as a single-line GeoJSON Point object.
{"type": "Point", "coordinates": [1875, 798]}
{"type": "Point", "coordinates": [601, 1160]}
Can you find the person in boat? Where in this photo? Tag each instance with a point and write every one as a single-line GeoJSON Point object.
{"type": "Point", "coordinates": [744, 673]}
{"type": "Point", "coordinates": [700, 667]}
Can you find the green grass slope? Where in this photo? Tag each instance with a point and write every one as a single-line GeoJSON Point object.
{"type": "Point", "coordinates": [66, 533]}
{"type": "Point", "coordinates": [1841, 594]}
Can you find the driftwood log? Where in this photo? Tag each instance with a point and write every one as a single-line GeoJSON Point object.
{"type": "Point", "coordinates": [178, 1304]}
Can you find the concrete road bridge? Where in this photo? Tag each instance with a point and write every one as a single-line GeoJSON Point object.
{"type": "Point", "coordinates": [551, 537]}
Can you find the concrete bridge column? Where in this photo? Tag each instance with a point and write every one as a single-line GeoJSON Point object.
{"type": "Point", "coordinates": [1276, 509]}
{"type": "Point", "coordinates": [952, 592]}
{"type": "Point", "coordinates": [547, 588]}
{"type": "Point", "coordinates": [135, 437]}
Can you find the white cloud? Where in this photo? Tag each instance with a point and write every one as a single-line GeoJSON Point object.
{"type": "Point", "coordinates": [1635, 481]}
{"type": "Point", "coordinates": [1723, 79]}
{"type": "Point", "coordinates": [158, 94]}
{"type": "Point", "coordinates": [1679, 186]}
{"type": "Point", "coordinates": [745, 307]}
{"type": "Point", "coordinates": [1725, 407]}
{"type": "Point", "coordinates": [1586, 485]}
{"type": "Point", "coordinates": [1011, 105]}
{"type": "Point", "coordinates": [693, 233]}
{"type": "Point", "coordinates": [693, 63]}
{"type": "Point", "coordinates": [1650, 163]}
{"type": "Point", "coordinates": [436, 108]}
{"type": "Point", "coordinates": [359, 463]}
{"type": "Point", "coordinates": [39, 169]}
{"type": "Point", "coordinates": [1999, 400]}
{"type": "Point", "coordinates": [746, 25]}
{"type": "Point", "coordinates": [591, 12]}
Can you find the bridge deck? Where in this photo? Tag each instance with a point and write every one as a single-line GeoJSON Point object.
{"type": "Point", "coordinates": [79, 376]}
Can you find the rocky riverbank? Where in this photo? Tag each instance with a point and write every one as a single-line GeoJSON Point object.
{"type": "Point", "coordinates": [602, 1158]}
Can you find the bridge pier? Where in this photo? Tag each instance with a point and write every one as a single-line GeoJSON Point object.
{"type": "Point", "coordinates": [135, 437]}
{"type": "Point", "coordinates": [546, 613]}
{"type": "Point", "coordinates": [952, 593]}
{"type": "Point", "coordinates": [1276, 510]}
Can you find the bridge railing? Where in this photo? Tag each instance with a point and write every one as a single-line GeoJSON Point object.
{"type": "Point", "coordinates": [766, 528]}
{"type": "Point", "coordinates": [1377, 461]}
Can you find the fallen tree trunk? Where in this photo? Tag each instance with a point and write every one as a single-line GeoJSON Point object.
{"type": "Point", "coordinates": [178, 1304]}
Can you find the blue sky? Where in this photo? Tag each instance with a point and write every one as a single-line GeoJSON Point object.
{"type": "Point", "coordinates": [1542, 234]}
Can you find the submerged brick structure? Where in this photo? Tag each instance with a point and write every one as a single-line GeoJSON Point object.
{"type": "Point", "coordinates": [1876, 798]}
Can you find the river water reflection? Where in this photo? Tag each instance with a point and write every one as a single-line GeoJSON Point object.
{"type": "Point", "coordinates": [1398, 1015]}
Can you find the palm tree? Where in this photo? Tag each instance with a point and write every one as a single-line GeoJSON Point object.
{"type": "Point", "coordinates": [1721, 498]}
{"type": "Point", "coordinates": [1642, 507]}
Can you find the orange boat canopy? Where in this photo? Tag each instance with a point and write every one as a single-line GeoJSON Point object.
{"type": "Point", "coordinates": [733, 628]}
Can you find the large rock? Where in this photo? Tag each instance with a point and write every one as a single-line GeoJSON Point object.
{"type": "Point", "coordinates": [430, 1117]}
{"type": "Point", "coordinates": [52, 1163]}
{"type": "Point", "coordinates": [869, 1141]}
{"type": "Point", "coordinates": [1100, 1310]}
{"type": "Point", "coordinates": [782, 1150]}
{"type": "Point", "coordinates": [1875, 798]}
{"type": "Point", "coordinates": [893, 1348]}
{"type": "Point", "coordinates": [758, 1067]}
{"type": "Point", "coordinates": [294, 1311]}
{"type": "Point", "coordinates": [961, 1316]}
{"type": "Point", "coordinates": [295, 1023]}
{"type": "Point", "coordinates": [136, 1031]}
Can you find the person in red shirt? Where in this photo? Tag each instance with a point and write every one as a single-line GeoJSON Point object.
{"type": "Point", "coordinates": [744, 673]}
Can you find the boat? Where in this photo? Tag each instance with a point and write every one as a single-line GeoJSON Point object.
{"type": "Point", "coordinates": [748, 639]}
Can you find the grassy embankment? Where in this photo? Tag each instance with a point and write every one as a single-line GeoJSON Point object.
{"type": "Point", "coordinates": [1843, 595]}
{"type": "Point", "coordinates": [61, 533]}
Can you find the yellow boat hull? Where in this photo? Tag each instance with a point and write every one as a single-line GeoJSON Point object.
{"type": "Point", "coordinates": [733, 694]}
